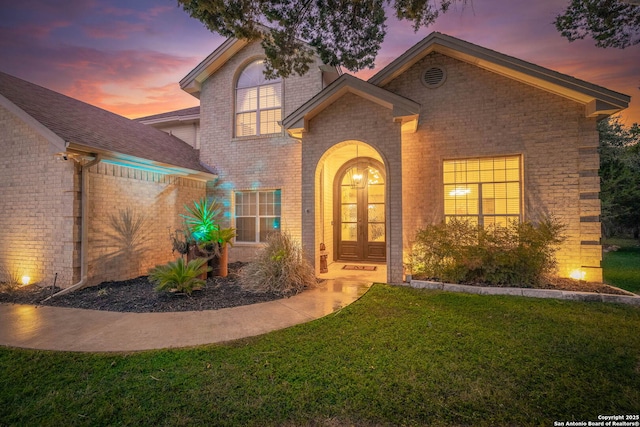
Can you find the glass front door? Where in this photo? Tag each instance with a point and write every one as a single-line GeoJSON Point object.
{"type": "Point", "coordinates": [360, 212]}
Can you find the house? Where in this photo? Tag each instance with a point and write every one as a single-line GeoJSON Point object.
{"type": "Point", "coordinates": [351, 168]}
{"type": "Point", "coordinates": [448, 129]}
{"type": "Point", "coordinates": [87, 195]}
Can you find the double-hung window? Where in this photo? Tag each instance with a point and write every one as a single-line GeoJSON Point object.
{"type": "Point", "coordinates": [257, 214]}
{"type": "Point", "coordinates": [485, 191]}
{"type": "Point", "coordinates": [258, 102]}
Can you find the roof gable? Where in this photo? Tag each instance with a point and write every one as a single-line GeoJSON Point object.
{"type": "Point", "coordinates": [192, 82]}
{"type": "Point", "coordinates": [70, 124]}
{"type": "Point", "coordinates": [598, 101]}
{"type": "Point", "coordinates": [403, 109]}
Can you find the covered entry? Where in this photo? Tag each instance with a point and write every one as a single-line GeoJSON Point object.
{"type": "Point", "coordinates": [352, 210]}
{"type": "Point", "coordinates": [352, 131]}
{"type": "Point", "coordinates": [359, 211]}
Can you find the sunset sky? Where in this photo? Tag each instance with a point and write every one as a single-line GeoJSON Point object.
{"type": "Point", "coordinates": [127, 57]}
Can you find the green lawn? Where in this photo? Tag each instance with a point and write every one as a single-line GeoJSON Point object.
{"type": "Point", "coordinates": [398, 356]}
{"type": "Point", "coordinates": [622, 268]}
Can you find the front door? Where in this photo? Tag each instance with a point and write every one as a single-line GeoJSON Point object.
{"type": "Point", "coordinates": [359, 217]}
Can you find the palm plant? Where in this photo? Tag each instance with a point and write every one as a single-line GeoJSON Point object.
{"type": "Point", "coordinates": [203, 228]}
{"type": "Point", "coordinates": [201, 220]}
{"type": "Point", "coordinates": [178, 275]}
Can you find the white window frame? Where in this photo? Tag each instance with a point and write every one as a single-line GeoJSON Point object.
{"type": "Point", "coordinates": [263, 85]}
{"type": "Point", "coordinates": [276, 206]}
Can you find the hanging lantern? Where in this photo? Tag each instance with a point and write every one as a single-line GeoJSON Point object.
{"type": "Point", "coordinates": [356, 174]}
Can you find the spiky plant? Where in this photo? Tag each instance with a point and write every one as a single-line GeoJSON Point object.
{"type": "Point", "coordinates": [178, 275]}
{"type": "Point", "coordinates": [279, 267]}
{"type": "Point", "coordinates": [201, 220]}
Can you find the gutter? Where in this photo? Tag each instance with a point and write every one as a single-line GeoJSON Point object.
{"type": "Point", "coordinates": [84, 238]}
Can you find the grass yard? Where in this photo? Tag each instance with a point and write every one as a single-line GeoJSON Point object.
{"type": "Point", "coordinates": [622, 267]}
{"type": "Point", "coordinates": [398, 356]}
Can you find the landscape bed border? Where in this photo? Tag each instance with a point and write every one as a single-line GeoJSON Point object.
{"type": "Point", "coordinates": [629, 299]}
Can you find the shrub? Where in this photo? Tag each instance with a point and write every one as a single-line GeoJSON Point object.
{"type": "Point", "coordinates": [178, 275]}
{"type": "Point", "coordinates": [459, 252]}
{"type": "Point", "coordinates": [9, 279]}
{"type": "Point", "coordinates": [279, 267]}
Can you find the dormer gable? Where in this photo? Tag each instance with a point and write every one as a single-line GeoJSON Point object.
{"type": "Point", "coordinates": [403, 109]}
{"type": "Point", "coordinates": [192, 82]}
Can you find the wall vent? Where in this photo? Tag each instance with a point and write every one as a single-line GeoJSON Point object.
{"type": "Point", "coordinates": [434, 77]}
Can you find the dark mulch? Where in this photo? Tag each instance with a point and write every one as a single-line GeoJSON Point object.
{"type": "Point", "coordinates": [139, 296]}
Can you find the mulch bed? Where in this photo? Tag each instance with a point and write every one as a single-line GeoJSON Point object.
{"type": "Point", "coordinates": [139, 296]}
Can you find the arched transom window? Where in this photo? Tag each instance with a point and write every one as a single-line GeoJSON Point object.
{"type": "Point", "coordinates": [258, 102]}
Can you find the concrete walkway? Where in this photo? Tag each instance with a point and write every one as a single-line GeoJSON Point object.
{"type": "Point", "coordinates": [69, 329]}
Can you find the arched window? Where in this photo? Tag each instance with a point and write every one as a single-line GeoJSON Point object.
{"type": "Point", "coordinates": [258, 102]}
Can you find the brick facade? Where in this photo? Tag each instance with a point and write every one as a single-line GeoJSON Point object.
{"type": "Point", "coordinates": [350, 119]}
{"type": "Point", "coordinates": [40, 225]}
{"type": "Point", "coordinates": [37, 193]}
{"type": "Point", "coordinates": [477, 113]}
{"type": "Point", "coordinates": [120, 198]}
{"type": "Point", "coordinates": [253, 163]}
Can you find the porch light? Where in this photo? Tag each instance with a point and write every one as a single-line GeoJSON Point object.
{"type": "Point", "coordinates": [25, 280]}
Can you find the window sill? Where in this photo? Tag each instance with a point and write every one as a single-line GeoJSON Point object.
{"type": "Point", "coordinates": [257, 137]}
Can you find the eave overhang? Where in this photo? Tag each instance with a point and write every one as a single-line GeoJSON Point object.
{"type": "Point", "coordinates": [404, 110]}
{"type": "Point", "coordinates": [172, 120]}
{"type": "Point", "coordinates": [192, 82]}
{"type": "Point", "coordinates": [120, 159]}
{"type": "Point", "coordinates": [598, 101]}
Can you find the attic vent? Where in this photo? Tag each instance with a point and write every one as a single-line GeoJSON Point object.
{"type": "Point", "coordinates": [434, 77]}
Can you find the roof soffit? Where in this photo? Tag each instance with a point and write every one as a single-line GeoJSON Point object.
{"type": "Point", "coordinates": [552, 81]}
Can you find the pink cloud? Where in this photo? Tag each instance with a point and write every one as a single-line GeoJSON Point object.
{"type": "Point", "coordinates": [117, 30]}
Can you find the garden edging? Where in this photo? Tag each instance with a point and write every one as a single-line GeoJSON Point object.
{"type": "Point", "coordinates": [527, 292]}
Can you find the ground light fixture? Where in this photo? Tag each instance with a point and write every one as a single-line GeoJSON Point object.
{"type": "Point", "coordinates": [578, 274]}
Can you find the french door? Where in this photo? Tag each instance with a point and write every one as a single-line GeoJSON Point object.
{"type": "Point", "coordinates": [359, 217]}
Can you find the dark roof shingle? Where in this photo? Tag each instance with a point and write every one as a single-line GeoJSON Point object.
{"type": "Point", "coordinates": [81, 123]}
{"type": "Point", "coordinates": [176, 113]}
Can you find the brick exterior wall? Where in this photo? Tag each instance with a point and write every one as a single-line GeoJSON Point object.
{"type": "Point", "coordinates": [252, 163]}
{"type": "Point", "coordinates": [40, 220]}
{"type": "Point", "coordinates": [476, 113]}
{"type": "Point", "coordinates": [36, 218]}
{"type": "Point", "coordinates": [119, 196]}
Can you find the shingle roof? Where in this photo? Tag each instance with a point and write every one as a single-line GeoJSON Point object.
{"type": "Point", "coordinates": [169, 114]}
{"type": "Point", "coordinates": [83, 124]}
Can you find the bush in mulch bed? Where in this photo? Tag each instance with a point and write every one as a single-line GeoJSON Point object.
{"type": "Point", "coordinates": [139, 295]}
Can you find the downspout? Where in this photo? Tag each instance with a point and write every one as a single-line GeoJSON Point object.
{"type": "Point", "coordinates": [84, 238]}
